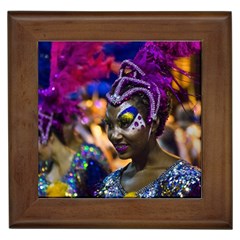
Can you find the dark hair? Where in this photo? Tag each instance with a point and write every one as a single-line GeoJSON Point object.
{"type": "Point", "coordinates": [57, 129]}
{"type": "Point", "coordinates": [58, 133]}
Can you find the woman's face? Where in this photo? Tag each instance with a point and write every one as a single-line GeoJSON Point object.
{"type": "Point", "coordinates": [127, 129]}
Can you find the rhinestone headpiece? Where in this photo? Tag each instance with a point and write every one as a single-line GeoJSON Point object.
{"type": "Point", "coordinates": [131, 74]}
{"type": "Point", "coordinates": [44, 125]}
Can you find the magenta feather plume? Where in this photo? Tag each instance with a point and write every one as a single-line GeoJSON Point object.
{"type": "Point", "coordinates": [73, 65]}
{"type": "Point", "coordinates": [157, 60]}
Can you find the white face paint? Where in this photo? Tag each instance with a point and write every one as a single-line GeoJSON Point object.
{"type": "Point", "coordinates": [129, 113]}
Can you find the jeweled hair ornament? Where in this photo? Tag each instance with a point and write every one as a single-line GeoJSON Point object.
{"type": "Point", "coordinates": [134, 77]}
{"type": "Point", "coordinates": [44, 125]}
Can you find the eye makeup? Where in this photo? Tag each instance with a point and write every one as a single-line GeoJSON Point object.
{"type": "Point", "coordinates": [127, 116]}
{"type": "Point", "coordinates": [130, 118]}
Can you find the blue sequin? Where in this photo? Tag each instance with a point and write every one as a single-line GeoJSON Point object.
{"type": "Point", "coordinates": [80, 179]}
{"type": "Point", "coordinates": [180, 180]}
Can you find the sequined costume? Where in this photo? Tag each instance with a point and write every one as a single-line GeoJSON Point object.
{"type": "Point", "coordinates": [87, 169]}
{"type": "Point", "coordinates": [180, 180]}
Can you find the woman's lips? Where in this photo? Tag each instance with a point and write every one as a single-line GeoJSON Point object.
{"type": "Point", "coordinates": [121, 148]}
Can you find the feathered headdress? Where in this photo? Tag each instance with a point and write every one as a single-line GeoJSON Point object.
{"type": "Point", "coordinates": [151, 74]}
{"type": "Point", "coordinates": [73, 65]}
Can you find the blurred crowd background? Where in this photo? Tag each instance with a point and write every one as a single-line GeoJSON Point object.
{"type": "Point", "coordinates": [182, 135]}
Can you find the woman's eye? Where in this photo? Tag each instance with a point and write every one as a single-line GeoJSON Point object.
{"type": "Point", "coordinates": [125, 122]}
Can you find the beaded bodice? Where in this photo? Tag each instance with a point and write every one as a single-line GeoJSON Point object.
{"type": "Point", "coordinates": [87, 169]}
{"type": "Point", "coordinates": [180, 180]}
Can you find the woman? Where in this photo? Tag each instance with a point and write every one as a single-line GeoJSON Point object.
{"type": "Point", "coordinates": [138, 107]}
{"type": "Point", "coordinates": [69, 173]}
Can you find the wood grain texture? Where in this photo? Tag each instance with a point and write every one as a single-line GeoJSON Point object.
{"type": "Point", "coordinates": [213, 210]}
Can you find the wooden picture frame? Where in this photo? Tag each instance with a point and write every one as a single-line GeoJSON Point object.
{"type": "Point", "coordinates": [213, 210]}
